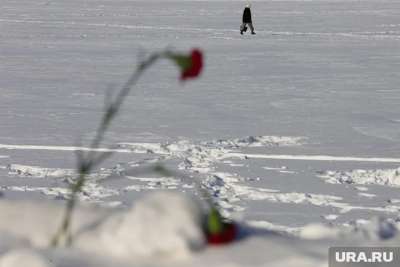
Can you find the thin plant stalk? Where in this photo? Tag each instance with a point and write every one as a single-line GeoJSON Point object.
{"type": "Point", "coordinates": [88, 161]}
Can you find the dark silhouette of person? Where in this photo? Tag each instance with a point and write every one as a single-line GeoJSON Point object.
{"type": "Point", "coordinates": [246, 20]}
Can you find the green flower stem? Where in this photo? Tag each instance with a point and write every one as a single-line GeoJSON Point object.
{"type": "Point", "coordinates": [214, 222]}
{"type": "Point", "coordinates": [87, 161]}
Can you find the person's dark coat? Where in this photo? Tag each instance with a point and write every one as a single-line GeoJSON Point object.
{"type": "Point", "coordinates": [247, 15]}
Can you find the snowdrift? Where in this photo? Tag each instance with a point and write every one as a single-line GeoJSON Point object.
{"type": "Point", "coordinates": [165, 229]}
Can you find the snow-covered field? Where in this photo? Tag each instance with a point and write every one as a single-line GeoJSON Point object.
{"type": "Point", "coordinates": [295, 131]}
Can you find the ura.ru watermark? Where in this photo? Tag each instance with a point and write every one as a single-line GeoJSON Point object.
{"type": "Point", "coordinates": [364, 256]}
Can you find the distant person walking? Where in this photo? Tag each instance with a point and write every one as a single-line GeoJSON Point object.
{"type": "Point", "coordinates": [246, 20]}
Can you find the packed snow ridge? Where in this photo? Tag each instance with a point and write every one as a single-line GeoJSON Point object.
{"type": "Point", "coordinates": [260, 141]}
{"type": "Point", "coordinates": [39, 172]}
{"type": "Point", "coordinates": [92, 191]}
{"type": "Point", "coordinates": [387, 177]}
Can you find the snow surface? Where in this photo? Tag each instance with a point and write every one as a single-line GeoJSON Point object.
{"type": "Point", "coordinates": [294, 131]}
{"type": "Point", "coordinates": [19, 258]}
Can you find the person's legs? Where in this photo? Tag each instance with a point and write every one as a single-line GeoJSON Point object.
{"type": "Point", "coordinates": [242, 28]}
{"type": "Point", "coordinates": [251, 28]}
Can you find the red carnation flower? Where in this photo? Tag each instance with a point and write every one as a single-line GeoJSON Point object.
{"type": "Point", "coordinates": [196, 60]}
{"type": "Point", "coordinates": [228, 235]}
{"type": "Point", "coordinates": [190, 65]}
{"type": "Point", "coordinates": [217, 230]}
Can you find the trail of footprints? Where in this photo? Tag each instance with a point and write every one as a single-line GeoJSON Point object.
{"type": "Point", "coordinates": [201, 162]}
